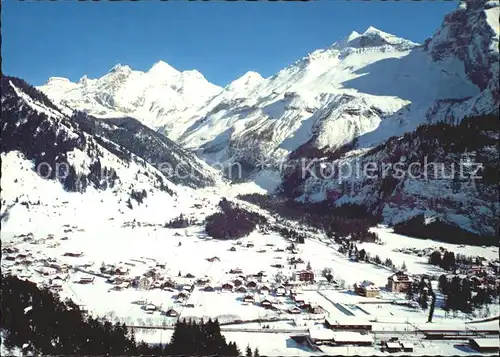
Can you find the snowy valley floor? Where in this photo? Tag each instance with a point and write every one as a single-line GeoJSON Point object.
{"type": "Point", "coordinates": [139, 241]}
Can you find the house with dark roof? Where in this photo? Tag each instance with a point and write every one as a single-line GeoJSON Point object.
{"type": "Point", "coordinates": [248, 299]}
{"type": "Point", "coordinates": [241, 289]}
{"type": "Point", "coordinates": [171, 313]}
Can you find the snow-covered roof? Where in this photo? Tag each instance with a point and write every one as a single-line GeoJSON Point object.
{"type": "Point", "coordinates": [393, 345]}
{"type": "Point", "coordinates": [347, 336]}
{"type": "Point", "coordinates": [365, 284]}
{"type": "Point", "coordinates": [486, 342]}
{"type": "Point", "coordinates": [321, 334]}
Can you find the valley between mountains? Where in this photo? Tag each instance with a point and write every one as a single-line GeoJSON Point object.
{"type": "Point", "coordinates": [147, 197]}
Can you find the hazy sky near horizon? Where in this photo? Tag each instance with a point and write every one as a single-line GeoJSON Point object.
{"type": "Point", "coordinates": [222, 40]}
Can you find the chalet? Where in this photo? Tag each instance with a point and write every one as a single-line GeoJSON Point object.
{"type": "Point", "coordinates": [168, 284]}
{"type": "Point", "coordinates": [250, 245]}
{"type": "Point", "coordinates": [294, 310]}
{"type": "Point", "coordinates": [251, 284]}
{"type": "Point", "coordinates": [399, 282]}
{"type": "Point", "coordinates": [189, 276]}
{"type": "Point", "coordinates": [280, 291]}
{"type": "Point", "coordinates": [208, 288]}
{"type": "Point", "coordinates": [266, 303]}
{"type": "Point", "coordinates": [59, 278]}
{"type": "Point", "coordinates": [189, 306]}
{"type": "Point", "coordinates": [241, 277]}
{"type": "Point", "coordinates": [10, 257]}
{"type": "Point", "coordinates": [367, 289]}
{"type": "Point", "coordinates": [227, 287]}
{"type": "Point", "coordinates": [171, 313]}
{"type": "Point", "coordinates": [485, 345]}
{"type": "Point", "coordinates": [249, 299]}
{"type": "Point", "coordinates": [182, 295]}
{"type": "Point", "coordinates": [306, 275]}
{"type": "Point", "coordinates": [264, 289]}
{"type": "Point", "coordinates": [241, 289]}
{"type": "Point", "coordinates": [232, 249]}
{"type": "Point", "coordinates": [236, 271]}
{"type": "Point", "coordinates": [237, 282]}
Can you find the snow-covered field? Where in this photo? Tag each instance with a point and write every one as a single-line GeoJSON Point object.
{"type": "Point", "coordinates": [185, 251]}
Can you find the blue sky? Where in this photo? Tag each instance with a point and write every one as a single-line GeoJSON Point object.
{"type": "Point", "coordinates": [222, 40]}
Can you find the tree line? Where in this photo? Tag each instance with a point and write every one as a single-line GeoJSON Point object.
{"type": "Point", "coordinates": [336, 221]}
{"type": "Point", "coordinates": [232, 222]}
{"type": "Point", "coordinates": [39, 322]}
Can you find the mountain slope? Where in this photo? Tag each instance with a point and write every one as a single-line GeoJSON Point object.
{"type": "Point", "coordinates": [368, 87]}
{"type": "Point", "coordinates": [178, 165]}
{"type": "Point", "coordinates": [442, 171]}
{"type": "Point", "coordinates": [85, 168]}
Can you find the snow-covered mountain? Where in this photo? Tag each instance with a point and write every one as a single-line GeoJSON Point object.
{"type": "Point", "coordinates": [155, 97]}
{"type": "Point", "coordinates": [340, 101]}
{"type": "Point", "coordinates": [104, 168]}
{"type": "Point", "coordinates": [369, 86]}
